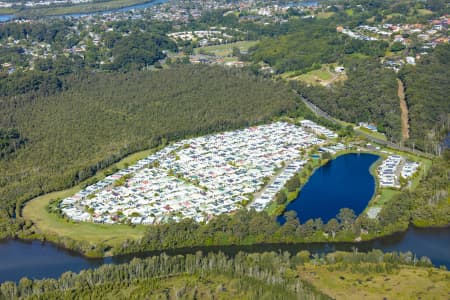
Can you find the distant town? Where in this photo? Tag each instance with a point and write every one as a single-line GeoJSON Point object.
{"type": "Point", "coordinates": [84, 36]}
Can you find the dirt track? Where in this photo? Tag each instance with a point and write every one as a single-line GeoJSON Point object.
{"type": "Point", "coordinates": [404, 110]}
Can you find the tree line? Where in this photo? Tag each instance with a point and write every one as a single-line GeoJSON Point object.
{"type": "Point", "coordinates": [260, 276]}
{"type": "Point", "coordinates": [427, 90]}
{"type": "Point", "coordinates": [266, 275]}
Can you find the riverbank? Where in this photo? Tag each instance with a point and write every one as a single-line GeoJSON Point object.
{"type": "Point", "coordinates": [35, 259]}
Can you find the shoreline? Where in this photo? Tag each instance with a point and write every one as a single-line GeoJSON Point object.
{"type": "Point", "coordinates": [193, 249]}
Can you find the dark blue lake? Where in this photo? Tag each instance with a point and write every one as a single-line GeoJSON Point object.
{"type": "Point", "coordinates": [344, 182]}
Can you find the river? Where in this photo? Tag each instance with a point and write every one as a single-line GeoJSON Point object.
{"type": "Point", "coordinates": [5, 18]}
{"type": "Point", "coordinates": [37, 260]}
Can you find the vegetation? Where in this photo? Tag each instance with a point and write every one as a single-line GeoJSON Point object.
{"type": "Point", "coordinates": [361, 98]}
{"type": "Point", "coordinates": [427, 89]}
{"type": "Point", "coordinates": [355, 276]}
{"type": "Point", "coordinates": [79, 8]}
{"type": "Point", "coordinates": [251, 276]}
{"type": "Point", "coordinates": [297, 51]}
{"type": "Point", "coordinates": [428, 204]}
{"type": "Point", "coordinates": [99, 118]}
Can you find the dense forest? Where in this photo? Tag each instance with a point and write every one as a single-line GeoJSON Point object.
{"type": "Point", "coordinates": [99, 118]}
{"type": "Point", "coordinates": [427, 95]}
{"type": "Point", "coordinates": [313, 44]}
{"type": "Point", "coordinates": [249, 276]}
{"type": "Point", "coordinates": [368, 95]}
{"type": "Point", "coordinates": [10, 141]}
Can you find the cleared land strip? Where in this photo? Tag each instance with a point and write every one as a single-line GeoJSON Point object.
{"type": "Point", "coordinates": [404, 110]}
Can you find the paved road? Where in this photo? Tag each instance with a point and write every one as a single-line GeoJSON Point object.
{"type": "Point", "coordinates": [323, 114]}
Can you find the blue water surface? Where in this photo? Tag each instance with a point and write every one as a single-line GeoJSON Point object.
{"type": "Point", "coordinates": [6, 18]}
{"type": "Point", "coordinates": [344, 182]}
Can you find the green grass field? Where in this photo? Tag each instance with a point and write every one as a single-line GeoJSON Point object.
{"type": "Point", "coordinates": [226, 49]}
{"type": "Point", "coordinates": [322, 76]}
{"type": "Point", "coordinates": [424, 12]}
{"type": "Point", "coordinates": [371, 133]}
{"type": "Point", "coordinates": [6, 11]}
{"type": "Point", "coordinates": [325, 15]}
{"type": "Point", "coordinates": [383, 196]}
{"type": "Point", "coordinates": [405, 283]}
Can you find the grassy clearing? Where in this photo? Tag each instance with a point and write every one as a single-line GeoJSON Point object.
{"type": "Point", "coordinates": [384, 195]}
{"type": "Point", "coordinates": [371, 133]}
{"type": "Point", "coordinates": [424, 12]}
{"type": "Point", "coordinates": [405, 283]}
{"type": "Point", "coordinates": [226, 49]}
{"type": "Point", "coordinates": [52, 224]}
{"type": "Point", "coordinates": [325, 15]}
{"type": "Point", "coordinates": [323, 76]}
{"type": "Point", "coordinates": [7, 10]}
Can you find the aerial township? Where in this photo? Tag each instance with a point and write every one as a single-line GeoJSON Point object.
{"type": "Point", "coordinates": [201, 177]}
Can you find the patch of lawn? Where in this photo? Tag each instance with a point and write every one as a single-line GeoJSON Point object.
{"type": "Point", "coordinates": [323, 76]}
{"type": "Point", "coordinates": [384, 196]}
{"type": "Point", "coordinates": [226, 49]}
{"type": "Point", "coordinates": [374, 134]}
{"type": "Point", "coordinates": [424, 12]}
{"type": "Point", "coordinates": [325, 15]}
{"type": "Point", "coordinates": [404, 283]}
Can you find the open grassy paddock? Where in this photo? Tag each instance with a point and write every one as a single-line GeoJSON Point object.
{"type": "Point", "coordinates": [226, 49]}
{"type": "Point", "coordinates": [404, 283]}
{"type": "Point", "coordinates": [323, 76]}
